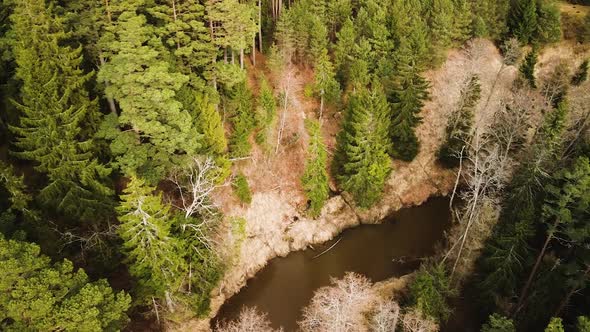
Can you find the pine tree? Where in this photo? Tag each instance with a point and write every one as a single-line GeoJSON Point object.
{"type": "Point", "coordinates": [581, 74]}
{"type": "Point", "coordinates": [36, 295]}
{"type": "Point", "coordinates": [266, 112]}
{"type": "Point", "coordinates": [523, 21]}
{"type": "Point", "coordinates": [441, 22]}
{"type": "Point", "coordinates": [429, 291]}
{"type": "Point", "coordinates": [362, 161]}
{"type": "Point", "coordinates": [527, 68]}
{"type": "Point", "coordinates": [548, 22]}
{"type": "Point", "coordinates": [567, 199]}
{"type": "Point", "coordinates": [235, 25]}
{"type": "Point", "coordinates": [151, 251]}
{"type": "Point", "coordinates": [460, 123]}
{"type": "Point", "coordinates": [57, 115]}
{"type": "Point", "coordinates": [315, 177]}
{"type": "Point", "coordinates": [186, 32]}
{"type": "Point", "coordinates": [462, 20]}
{"type": "Point", "coordinates": [408, 99]}
{"type": "Point", "coordinates": [243, 120]}
{"type": "Point", "coordinates": [325, 85]}
{"type": "Point", "coordinates": [346, 40]}
{"type": "Point", "coordinates": [155, 129]}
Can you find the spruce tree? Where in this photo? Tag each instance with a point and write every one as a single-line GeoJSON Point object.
{"type": "Point", "coordinates": [441, 22]}
{"type": "Point", "coordinates": [523, 21]}
{"type": "Point", "coordinates": [315, 177]}
{"type": "Point", "coordinates": [152, 253]}
{"type": "Point", "coordinates": [527, 68]}
{"type": "Point", "coordinates": [581, 74]}
{"type": "Point", "coordinates": [57, 115]}
{"type": "Point", "coordinates": [325, 85]}
{"type": "Point", "coordinates": [185, 31]}
{"type": "Point", "coordinates": [37, 295]}
{"type": "Point", "coordinates": [407, 100]}
{"type": "Point", "coordinates": [346, 40]}
{"type": "Point", "coordinates": [209, 125]}
{"type": "Point", "coordinates": [462, 20]}
{"type": "Point", "coordinates": [498, 323]}
{"type": "Point", "coordinates": [548, 22]}
{"type": "Point", "coordinates": [460, 123]}
{"type": "Point", "coordinates": [266, 112]}
{"type": "Point", "coordinates": [362, 162]}
{"type": "Point", "coordinates": [155, 130]}
{"type": "Point", "coordinates": [243, 120]}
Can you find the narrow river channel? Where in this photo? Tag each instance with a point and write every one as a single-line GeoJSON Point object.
{"type": "Point", "coordinates": [392, 248]}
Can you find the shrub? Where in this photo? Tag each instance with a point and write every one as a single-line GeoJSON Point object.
{"type": "Point", "coordinates": [242, 189]}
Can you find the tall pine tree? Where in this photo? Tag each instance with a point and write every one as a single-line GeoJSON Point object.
{"type": "Point", "coordinates": [57, 115]}
{"type": "Point", "coordinates": [315, 177]}
{"type": "Point", "coordinates": [155, 131]}
{"type": "Point", "coordinates": [410, 93]}
{"type": "Point", "coordinates": [151, 251]}
{"type": "Point", "coordinates": [362, 162]}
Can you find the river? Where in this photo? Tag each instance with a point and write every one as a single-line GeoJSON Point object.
{"type": "Point", "coordinates": [393, 248]}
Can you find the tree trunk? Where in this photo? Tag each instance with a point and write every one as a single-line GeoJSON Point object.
{"type": "Point", "coordinates": [110, 100]}
{"type": "Point", "coordinates": [529, 281]}
{"type": "Point", "coordinates": [214, 56]}
{"type": "Point", "coordinates": [254, 51]}
{"type": "Point", "coordinates": [242, 58]}
{"type": "Point", "coordinates": [175, 18]}
{"type": "Point", "coordinates": [233, 56]}
{"type": "Point", "coordinates": [108, 10]}
{"type": "Point", "coordinates": [260, 25]}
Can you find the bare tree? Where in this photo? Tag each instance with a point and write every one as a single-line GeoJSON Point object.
{"type": "Point", "coordinates": [512, 53]}
{"type": "Point", "coordinates": [194, 184]}
{"type": "Point", "coordinates": [250, 320]}
{"type": "Point", "coordinates": [485, 170]}
{"type": "Point", "coordinates": [386, 317]}
{"type": "Point", "coordinates": [340, 307]}
{"type": "Point", "coordinates": [415, 321]}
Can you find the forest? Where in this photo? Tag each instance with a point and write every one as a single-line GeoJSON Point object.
{"type": "Point", "coordinates": [155, 154]}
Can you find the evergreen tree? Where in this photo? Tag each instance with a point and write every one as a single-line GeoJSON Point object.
{"type": "Point", "coordinates": [429, 292]}
{"type": "Point", "coordinates": [460, 123]}
{"type": "Point", "coordinates": [407, 101]}
{"type": "Point", "coordinates": [490, 17]}
{"type": "Point", "coordinates": [555, 325]}
{"type": "Point", "coordinates": [523, 20]}
{"type": "Point", "coordinates": [527, 68]}
{"type": "Point", "coordinates": [441, 24]}
{"type": "Point", "coordinates": [242, 188]}
{"type": "Point", "coordinates": [498, 323]}
{"type": "Point", "coordinates": [346, 40]}
{"type": "Point", "coordinates": [236, 25]}
{"type": "Point", "coordinates": [57, 115]}
{"type": "Point", "coordinates": [243, 120]}
{"type": "Point", "coordinates": [155, 130]}
{"type": "Point", "coordinates": [325, 84]}
{"type": "Point", "coordinates": [566, 202]}
{"type": "Point", "coordinates": [185, 32]}
{"type": "Point", "coordinates": [315, 177]}
{"type": "Point", "coordinates": [36, 295]}
{"type": "Point", "coordinates": [151, 251]}
{"type": "Point", "coordinates": [266, 112]}
{"type": "Point", "coordinates": [462, 20]}
{"type": "Point", "coordinates": [583, 324]}
{"type": "Point", "coordinates": [581, 74]}
{"type": "Point", "coordinates": [362, 161]}
{"type": "Point", "coordinates": [548, 22]}
{"type": "Point", "coordinates": [210, 126]}
{"type": "Point", "coordinates": [410, 33]}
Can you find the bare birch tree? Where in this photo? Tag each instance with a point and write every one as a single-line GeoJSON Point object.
{"type": "Point", "coordinates": [250, 320]}
{"type": "Point", "coordinates": [415, 321]}
{"type": "Point", "coordinates": [340, 307]}
{"type": "Point", "coordinates": [386, 317]}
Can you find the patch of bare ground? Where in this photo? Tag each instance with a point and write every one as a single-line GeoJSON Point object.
{"type": "Point", "coordinates": [276, 223]}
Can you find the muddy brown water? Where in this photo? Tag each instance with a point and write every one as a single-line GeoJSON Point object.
{"type": "Point", "coordinates": [392, 248]}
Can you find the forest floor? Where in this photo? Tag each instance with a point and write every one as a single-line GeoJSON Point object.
{"type": "Point", "coordinates": [276, 223]}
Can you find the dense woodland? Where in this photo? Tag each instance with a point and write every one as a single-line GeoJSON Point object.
{"type": "Point", "coordinates": [119, 119]}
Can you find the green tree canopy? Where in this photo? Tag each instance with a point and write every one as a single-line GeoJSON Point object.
{"type": "Point", "coordinates": [36, 295]}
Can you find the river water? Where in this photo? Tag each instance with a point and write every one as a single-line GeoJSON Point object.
{"type": "Point", "coordinates": [392, 248]}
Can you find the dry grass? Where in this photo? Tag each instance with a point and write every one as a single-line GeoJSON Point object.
{"type": "Point", "coordinates": [573, 10]}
